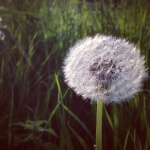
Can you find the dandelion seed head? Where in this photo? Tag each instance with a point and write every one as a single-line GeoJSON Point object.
{"type": "Point", "coordinates": [104, 68]}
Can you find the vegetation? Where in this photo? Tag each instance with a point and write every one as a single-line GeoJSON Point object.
{"type": "Point", "coordinates": [37, 110]}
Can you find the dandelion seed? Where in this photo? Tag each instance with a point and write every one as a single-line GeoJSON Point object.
{"type": "Point", "coordinates": [104, 68]}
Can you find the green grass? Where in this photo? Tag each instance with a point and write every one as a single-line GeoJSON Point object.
{"type": "Point", "coordinates": [37, 110]}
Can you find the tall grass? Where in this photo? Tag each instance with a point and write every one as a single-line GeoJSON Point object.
{"type": "Point", "coordinates": [37, 110]}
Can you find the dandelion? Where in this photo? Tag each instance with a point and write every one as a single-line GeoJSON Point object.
{"type": "Point", "coordinates": [104, 68]}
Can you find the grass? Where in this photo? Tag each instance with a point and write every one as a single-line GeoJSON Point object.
{"type": "Point", "coordinates": [37, 110]}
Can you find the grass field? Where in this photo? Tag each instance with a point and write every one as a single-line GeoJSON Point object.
{"type": "Point", "coordinates": [37, 109]}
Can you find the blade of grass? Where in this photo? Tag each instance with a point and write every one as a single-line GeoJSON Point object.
{"type": "Point", "coordinates": [79, 138]}
{"type": "Point", "coordinates": [52, 113]}
{"type": "Point", "coordinates": [126, 140]}
{"type": "Point", "coordinates": [79, 121]}
{"type": "Point", "coordinates": [10, 120]}
{"type": "Point", "coordinates": [108, 118]}
{"type": "Point", "coordinates": [65, 136]}
{"type": "Point", "coordinates": [58, 87]}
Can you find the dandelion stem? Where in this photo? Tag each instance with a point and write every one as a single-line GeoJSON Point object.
{"type": "Point", "coordinates": [99, 126]}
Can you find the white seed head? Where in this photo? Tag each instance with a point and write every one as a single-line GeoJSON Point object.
{"type": "Point", "coordinates": [104, 68]}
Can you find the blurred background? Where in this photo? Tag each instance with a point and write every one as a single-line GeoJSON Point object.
{"type": "Point", "coordinates": [37, 109]}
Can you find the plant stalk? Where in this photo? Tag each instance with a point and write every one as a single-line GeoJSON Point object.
{"type": "Point", "coordinates": [99, 125]}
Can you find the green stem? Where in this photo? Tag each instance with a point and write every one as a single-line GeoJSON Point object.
{"type": "Point", "coordinates": [99, 125]}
